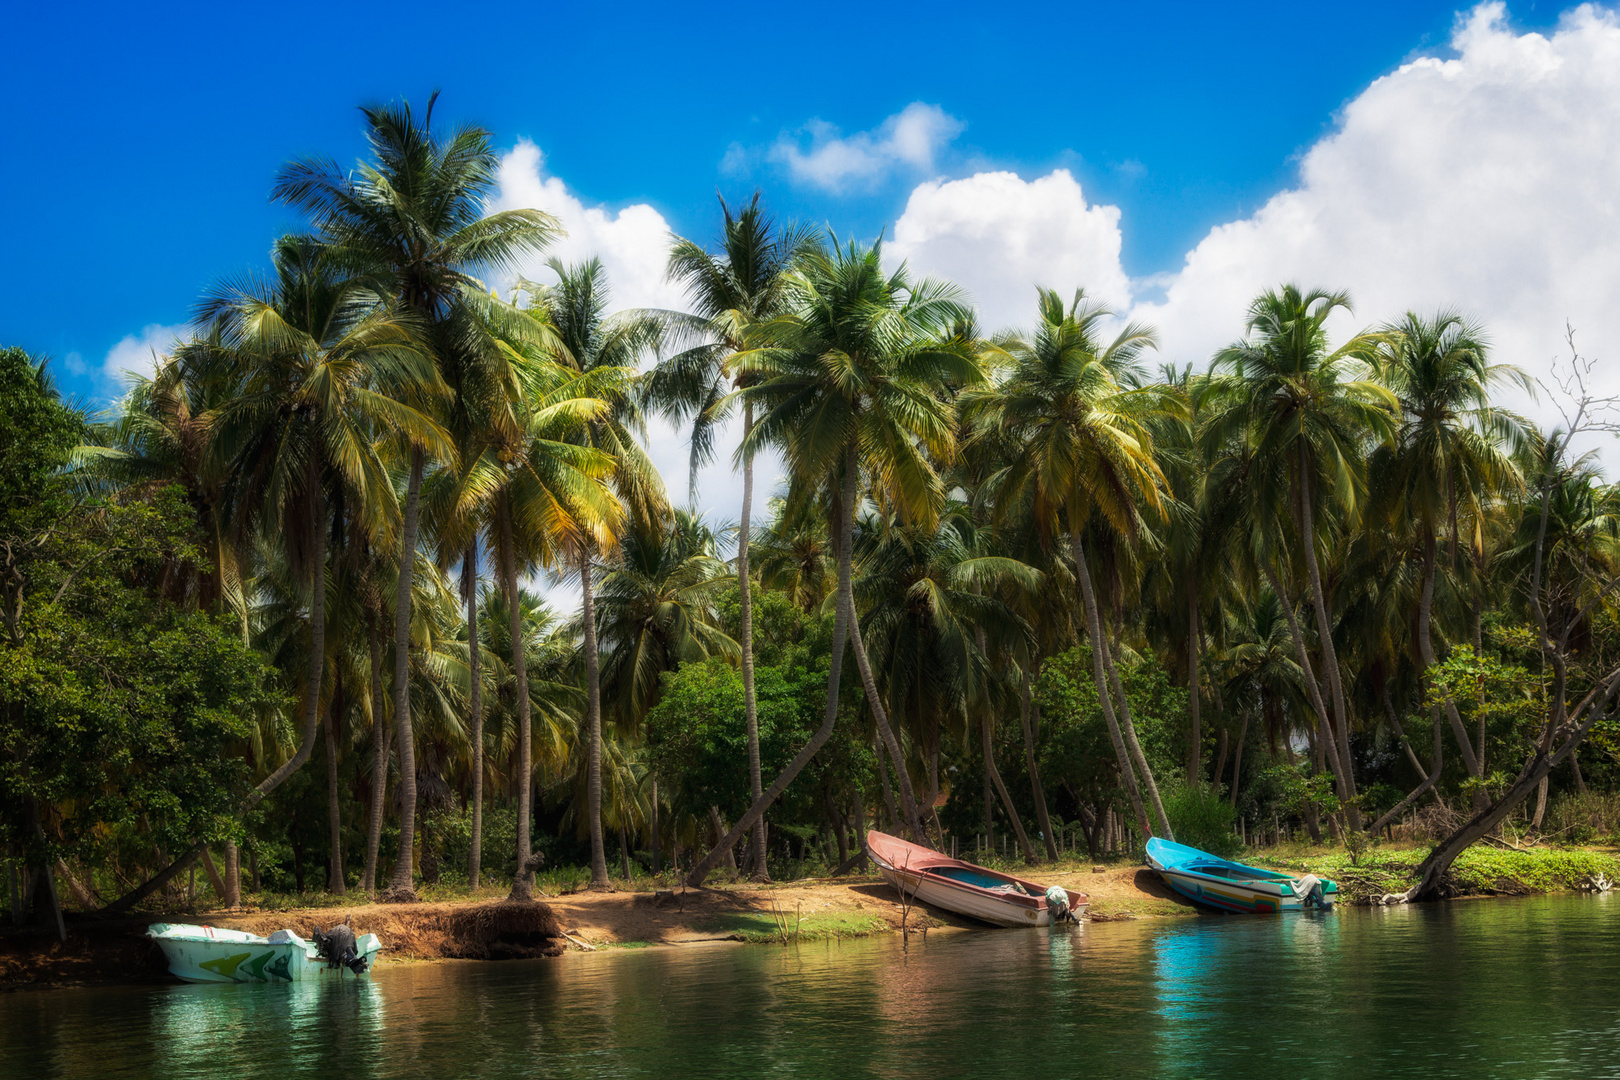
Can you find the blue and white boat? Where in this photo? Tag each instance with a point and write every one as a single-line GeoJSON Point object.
{"type": "Point", "coordinates": [1229, 886]}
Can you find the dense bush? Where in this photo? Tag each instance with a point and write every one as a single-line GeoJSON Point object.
{"type": "Point", "coordinates": [1201, 818]}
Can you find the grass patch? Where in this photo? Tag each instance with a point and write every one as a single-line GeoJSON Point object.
{"type": "Point", "coordinates": [759, 928]}
{"type": "Point", "coordinates": [1479, 871]}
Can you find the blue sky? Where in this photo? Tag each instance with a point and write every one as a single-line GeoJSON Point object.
{"type": "Point", "coordinates": [141, 140]}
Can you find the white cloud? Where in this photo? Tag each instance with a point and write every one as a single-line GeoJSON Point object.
{"type": "Point", "coordinates": [1483, 182]}
{"type": "Point", "coordinates": [909, 140]}
{"type": "Point", "coordinates": [633, 243]}
{"type": "Point", "coordinates": [135, 354]}
{"type": "Point", "coordinates": [998, 236]}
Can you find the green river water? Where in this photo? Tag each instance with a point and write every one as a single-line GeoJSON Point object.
{"type": "Point", "coordinates": [1506, 988]}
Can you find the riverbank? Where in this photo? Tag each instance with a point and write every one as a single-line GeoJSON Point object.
{"type": "Point", "coordinates": [650, 913]}
{"type": "Point", "coordinates": [480, 927]}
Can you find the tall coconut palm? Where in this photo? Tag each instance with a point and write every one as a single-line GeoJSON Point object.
{"type": "Point", "coordinates": [597, 344]}
{"type": "Point", "coordinates": [546, 494]}
{"type": "Point", "coordinates": [323, 369]}
{"type": "Point", "coordinates": [656, 609]}
{"type": "Point", "coordinates": [415, 216]}
{"type": "Point", "coordinates": [728, 292]}
{"type": "Point", "coordinates": [1082, 452]}
{"type": "Point", "coordinates": [1310, 412]}
{"type": "Point", "coordinates": [1450, 455]}
{"type": "Point", "coordinates": [852, 379]}
{"type": "Point", "coordinates": [502, 365]}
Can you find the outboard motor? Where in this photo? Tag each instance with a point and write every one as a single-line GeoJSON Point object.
{"type": "Point", "coordinates": [1057, 902]}
{"type": "Point", "coordinates": [337, 948]}
{"type": "Point", "coordinates": [1312, 898]}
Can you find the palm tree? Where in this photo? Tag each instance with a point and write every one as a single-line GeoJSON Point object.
{"type": "Point", "coordinates": [415, 217]}
{"type": "Point", "coordinates": [853, 376]}
{"type": "Point", "coordinates": [729, 293]}
{"type": "Point", "coordinates": [1447, 455]}
{"type": "Point", "coordinates": [938, 615]}
{"type": "Point", "coordinates": [1081, 450]}
{"type": "Point", "coordinates": [795, 554]}
{"type": "Point", "coordinates": [656, 609]}
{"type": "Point", "coordinates": [321, 366]}
{"type": "Point", "coordinates": [607, 348]}
{"type": "Point", "coordinates": [1309, 418]}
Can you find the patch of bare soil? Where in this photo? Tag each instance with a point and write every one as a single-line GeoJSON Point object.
{"type": "Point", "coordinates": [118, 951]}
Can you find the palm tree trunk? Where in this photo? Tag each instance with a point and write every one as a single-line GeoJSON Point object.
{"type": "Point", "coordinates": [523, 783]}
{"type": "Point", "coordinates": [1426, 654]}
{"type": "Point", "coordinates": [1034, 769]}
{"type": "Point", "coordinates": [843, 520]}
{"type": "Point", "coordinates": [1237, 757]}
{"type": "Point", "coordinates": [400, 886]}
{"type": "Point", "coordinates": [334, 812]}
{"type": "Point", "coordinates": [756, 783]}
{"type": "Point", "coordinates": [1007, 807]}
{"type": "Point", "coordinates": [317, 658]}
{"type": "Point", "coordinates": [1128, 729]}
{"type": "Point", "coordinates": [379, 765]}
{"type": "Point", "coordinates": [652, 801]}
{"type": "Point", "coordinates": [233, 875]}
{"type": "Point", "coordinates": [1099, 673]}
{"type": "Point", "coordinates": [593, 714]}
{"type": "Point", "coordinates": [1324, 631]}
{"type": "Point", "coordinates": [475, 706]}
{"type": "Point", "coordinates": [908, 797]}
{"type": "Point", "coordinates": [890, 807]}
{"type": "Point", "coordinates": [1195, 751]}
{"type": "Point", "coordinates": [1313, 688]}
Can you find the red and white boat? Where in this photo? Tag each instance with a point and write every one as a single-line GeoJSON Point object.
{"type": "Point", "coordinates": [961, 887]}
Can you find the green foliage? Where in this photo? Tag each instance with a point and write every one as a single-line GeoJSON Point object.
{"type": "Point", "coordinates": [1076, 749]}
{"type": "Point", "coordinates": [1477, 871]}
{"type": "Point", "coordinates": [1201, 818]}
{"type": "Point", "coordinates": [698, 736]}
{"type": "Point", "coordinates": [116, 706]}
{"type": "Point", "coordinates": [1584, 818]}
{"type": "Point", "coordinates": [37, 434]}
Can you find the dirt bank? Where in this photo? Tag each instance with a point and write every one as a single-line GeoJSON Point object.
{"type": "Point", "coordinates": [117, 951]}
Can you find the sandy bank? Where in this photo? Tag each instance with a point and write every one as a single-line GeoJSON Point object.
{"type": "Point", "coordinates": [116, 950]}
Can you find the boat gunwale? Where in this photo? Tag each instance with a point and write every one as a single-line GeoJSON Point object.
{"type": "Point", "coordinates": [1036, 900]}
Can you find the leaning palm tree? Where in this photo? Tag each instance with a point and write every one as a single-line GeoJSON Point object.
{"type": "Point", "coordinates": [854, 378]}
{"type": "Point", "coordinates": [1450, 455]}
{"type": "Point", "coordinates": [1082, 453]}
{"type": "Point", "coordinates": [604, 347]}
{"type": "Point", "coordinates": [729, 293]}
{"type": "Point", "coordinates": [1308, 411]}
{"type": "Point", "coordinates": [415, 216]}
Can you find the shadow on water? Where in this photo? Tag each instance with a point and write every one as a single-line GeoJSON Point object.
{"type": "Point", "coordinates": [1499, 989]}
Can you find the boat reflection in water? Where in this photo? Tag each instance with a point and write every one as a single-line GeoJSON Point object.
{"type": "Point", "coordinates": [223, 1028]}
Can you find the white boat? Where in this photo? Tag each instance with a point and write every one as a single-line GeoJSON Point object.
{"type": "Point", "coordinates": [209, 954]}
{"type": "Point", "coordinates": [975, 891]}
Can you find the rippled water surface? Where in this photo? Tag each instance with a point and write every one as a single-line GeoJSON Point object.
{"type": "Point", "coordinates": [1519, 988]}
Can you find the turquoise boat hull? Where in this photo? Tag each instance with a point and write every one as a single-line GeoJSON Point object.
{"type": "Point", "coordinates": [1230, 886]}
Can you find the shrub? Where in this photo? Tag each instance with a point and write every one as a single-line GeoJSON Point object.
{"type": "Point", "coordinates": [1201, 818]}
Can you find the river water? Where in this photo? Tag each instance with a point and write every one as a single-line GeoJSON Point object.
{"type": "Point", "coordinates": [1506, 988]}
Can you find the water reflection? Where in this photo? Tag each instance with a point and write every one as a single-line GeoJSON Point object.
{"type": "Point", "coordinates": [1511, 989]}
